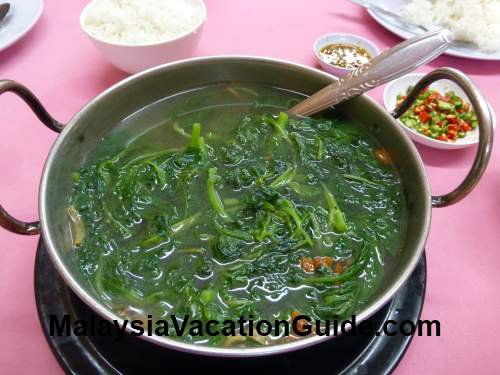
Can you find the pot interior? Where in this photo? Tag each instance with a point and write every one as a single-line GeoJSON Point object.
{"type": "Point", "coordinates": [81, 141]}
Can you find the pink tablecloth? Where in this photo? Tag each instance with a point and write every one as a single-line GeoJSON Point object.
{"type": "Point", "coordinates": [60, 65]}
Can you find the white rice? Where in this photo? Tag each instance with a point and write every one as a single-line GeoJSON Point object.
{"type": "Point", "coordinates": [476, 21]}
{"type": "Point", "coordinates": [142, 21]}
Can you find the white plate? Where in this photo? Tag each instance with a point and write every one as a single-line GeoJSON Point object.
{"type": "Point", "coordinates": [466, 50]}
{"type": "Point", "coordinates": [22, 16]}
{"type": "Point", "coordinates": [400, 85]}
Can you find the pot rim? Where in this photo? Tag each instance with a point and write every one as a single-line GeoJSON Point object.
{"type": "Point", "coordinates": [166, 341]}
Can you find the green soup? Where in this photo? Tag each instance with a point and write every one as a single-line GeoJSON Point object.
{"type": "Point", "coordinates": [219, 210]}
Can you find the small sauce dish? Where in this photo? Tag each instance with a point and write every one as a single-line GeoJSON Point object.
{"type": "Point", "coordinates": [400, 86]}
{"type": "Point", "coordinates": [338, 54]}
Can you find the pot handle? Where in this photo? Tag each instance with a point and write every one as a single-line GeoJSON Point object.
{"type": "Point", "coordinates": [485, 121]}
{"type": "Point", "coordinates": [6, 220]}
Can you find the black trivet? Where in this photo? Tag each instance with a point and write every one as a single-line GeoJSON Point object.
{"type": "Point", "coordinates": [102, 355]}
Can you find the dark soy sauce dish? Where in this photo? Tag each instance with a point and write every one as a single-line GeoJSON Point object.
{"type": "Point", "coordinates": [215, 204]}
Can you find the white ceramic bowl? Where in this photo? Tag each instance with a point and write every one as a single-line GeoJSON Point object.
{"type": "Point", "coordinates": [400, 85]}
{"type": "Point", "coordinates": [335, 38]}
{"type": "Point", "coordinates": [133, 58]}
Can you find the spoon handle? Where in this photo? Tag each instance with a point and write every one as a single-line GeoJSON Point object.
{"type": "Point", "coordinates": [392, 63]}
{"type": "Point", "coordinates": [4, 9]}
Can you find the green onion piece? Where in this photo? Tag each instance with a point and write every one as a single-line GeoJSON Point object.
{"type": "Point", "coordinates": [231, 201]}
{"type": "Point", "coordinates": [288, 208]}
{"type": "Point", "coordinates": [279, 124]}
{"type": "Point", "coordinates": [284, 178]}
{"type": "Point", "coordinates": [207, 296]}
{"type": "Point", "coordinates": [263, 232]}
{"type": "Point", "coordinates": [213, 196]}
{"type": "Point", "coordinates": [235, 233]}
{"type": "Point", "coordinates": [186, 223]}
{"type": "Point", "coordinates": [320, 148]}
{"type": "Point", "coordinates": [335, 215]}
{"type": "Point", "coordinates": [123, 229]}
{"type": "Point", "coordinates": [202, 148]}
{"type": "Point", "coordinates": [180, 130]}
{"type": "Point", "coordinates": [150, 156]}
{"type": "Point", "coordinates": [315, 225]}
{"type": "Point", "coordinates": [304, 190]}
{"type": "Point", "coordinates": [192, 250]}
{"type": "Point", "coordinates": [195, 136]}
{"type": "Point", "coordinates": [152, 241]}
{"type": "Point", "coordinates": [160, 172]}
{"type": "Point", "coordinates": [360, 179]}
{"type": "Point", "coordinates": [77, 226]}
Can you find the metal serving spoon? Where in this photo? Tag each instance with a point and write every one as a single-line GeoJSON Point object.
{"type": "Point", "coordinates": [392, 63]}
{"type": "Point", "coordinates": [4, 9]}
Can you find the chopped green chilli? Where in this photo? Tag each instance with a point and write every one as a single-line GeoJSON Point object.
{"type": "Point", "coordinates": [443, 117]}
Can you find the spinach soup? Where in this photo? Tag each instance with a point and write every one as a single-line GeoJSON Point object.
{"type": "Point", "coordinates": [217, 205]}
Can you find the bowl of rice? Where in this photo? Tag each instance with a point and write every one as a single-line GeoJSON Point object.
{"type": "Point", "coordinates": [135, 35]}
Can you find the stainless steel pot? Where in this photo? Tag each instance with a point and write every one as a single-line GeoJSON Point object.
{"type": "Point", "coordinates": [81, 136]}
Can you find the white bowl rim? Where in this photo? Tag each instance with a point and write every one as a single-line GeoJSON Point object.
{"type": "Point", "coordinates": [161, 42]}
{"type": "Point", "coordinates": [424, 139]}
{"type": "Point", "coordinates": [363, 40]}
